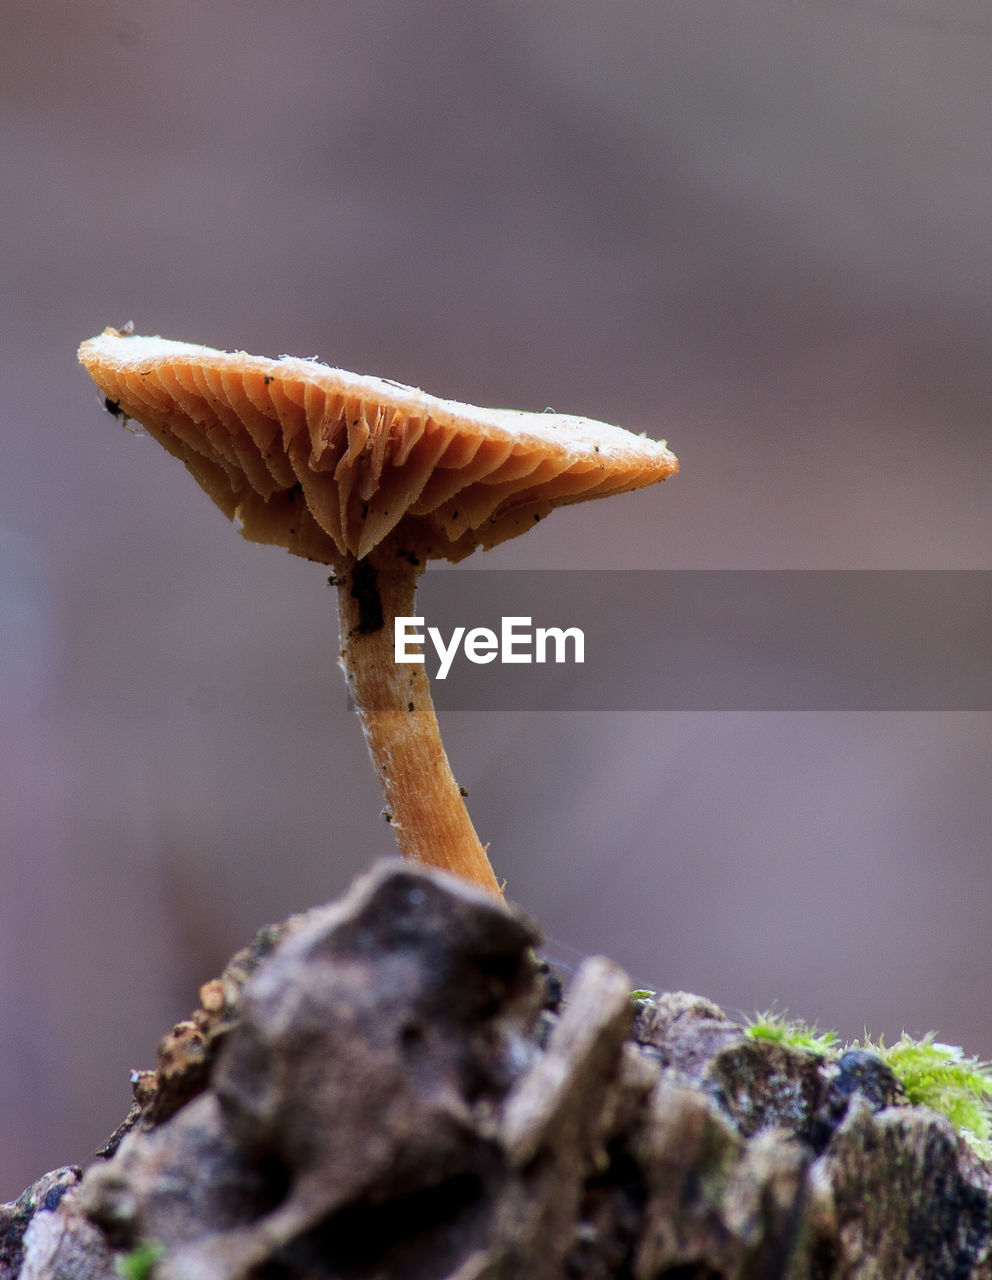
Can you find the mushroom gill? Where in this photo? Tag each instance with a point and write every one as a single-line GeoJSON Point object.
{"type": "Point", "coordinates": [328, 463]}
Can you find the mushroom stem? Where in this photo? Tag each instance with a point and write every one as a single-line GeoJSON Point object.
{"type": "Point", "coordinates": [425, 805]}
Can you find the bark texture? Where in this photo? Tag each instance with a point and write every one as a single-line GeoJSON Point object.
{"type": "Point", "coordinates": [390, 1087]}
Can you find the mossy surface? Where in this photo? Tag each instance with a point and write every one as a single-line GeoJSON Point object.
{"type": "Point", "coordinates": [946, 1079]}
{"type": "Point", "coordinates": [793, 1033]}
{"type": "Point", "coordinates": [930, 1073]}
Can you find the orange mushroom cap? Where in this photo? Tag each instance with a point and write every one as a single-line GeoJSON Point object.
{"type": "Point", "coordinates": [328, 463]}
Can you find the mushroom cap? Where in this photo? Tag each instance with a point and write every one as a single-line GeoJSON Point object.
{"type": "Point", "coordinates": [328, 463]}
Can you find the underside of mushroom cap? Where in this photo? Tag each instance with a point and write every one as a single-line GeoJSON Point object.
{"type": "Point", "coordinates": [328, 463]}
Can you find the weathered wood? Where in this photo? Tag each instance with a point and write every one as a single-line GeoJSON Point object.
{"type": "Point", "coordinates": [389, 1087]}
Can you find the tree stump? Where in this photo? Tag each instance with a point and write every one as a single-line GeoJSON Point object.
{"type": "Point", "coordinates": [392, 1086]}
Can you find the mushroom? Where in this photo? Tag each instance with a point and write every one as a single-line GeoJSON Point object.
{"type": "Point", "coordinates": [373, 478]}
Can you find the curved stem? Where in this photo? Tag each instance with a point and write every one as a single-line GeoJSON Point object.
{"type": "Point", "coordinates": [425, 805]}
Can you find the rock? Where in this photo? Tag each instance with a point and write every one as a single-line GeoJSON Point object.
{"type": "Point", "coordinates": [392, 1086]}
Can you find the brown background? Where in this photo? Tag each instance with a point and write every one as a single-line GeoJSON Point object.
{"type": "Point", "coordinates": [759, 229]}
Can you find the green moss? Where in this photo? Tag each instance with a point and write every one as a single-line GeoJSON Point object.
{"type": "Point", "coordinates": [931, 1074]}
{"type": "Point", "coordinates": [792, 1032]}
{"type": "Point", "coordinates": [945, 1079]}
{"type": "Point", "coordinates": [140, 1262]}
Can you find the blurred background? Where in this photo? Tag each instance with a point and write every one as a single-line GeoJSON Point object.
{"type": "Point", "coordinates": [759, 230]}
